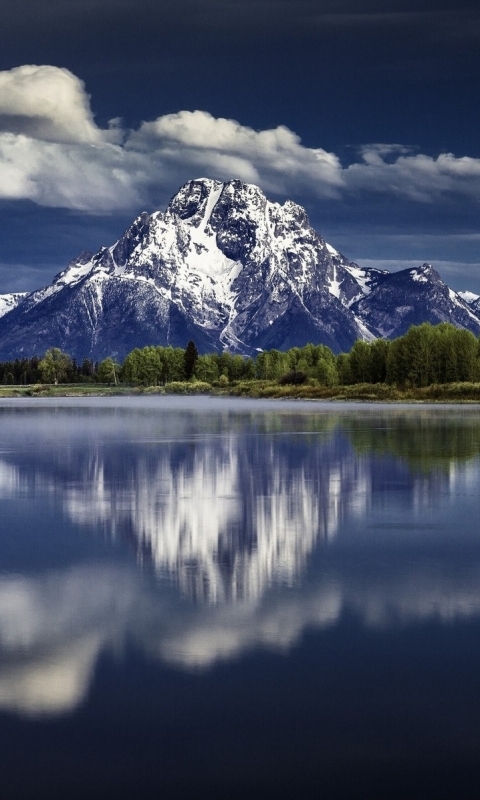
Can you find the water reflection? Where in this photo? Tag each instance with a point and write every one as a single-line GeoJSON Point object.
{"type": "Point", "coordinates": [52, 629]}
{"type": "Point", "coordinates": [226, 515]}
{"type": "Point", "coordinates": [271, 523]}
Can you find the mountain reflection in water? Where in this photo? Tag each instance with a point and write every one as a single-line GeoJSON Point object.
{"type": "Point", "coordinates": [248, 527]}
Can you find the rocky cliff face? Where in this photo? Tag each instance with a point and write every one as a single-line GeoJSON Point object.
{"type": "Point", "coordinates": [229, 269]}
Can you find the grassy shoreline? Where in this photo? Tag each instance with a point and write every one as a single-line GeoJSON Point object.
{"type": "Point", "coordinates": [441, 393]}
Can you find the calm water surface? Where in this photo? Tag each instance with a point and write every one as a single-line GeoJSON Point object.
{"type": "Point", "coordinates": [238, 599]}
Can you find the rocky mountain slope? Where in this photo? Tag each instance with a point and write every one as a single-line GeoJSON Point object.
{"type": "Point", "coordinates": [230, 269]}
{"type": "Point", "coordinates": [411, 297]}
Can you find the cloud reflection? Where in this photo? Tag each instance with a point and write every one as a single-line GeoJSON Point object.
{"type": "Point", "coordinates": [232, 521]}
{"type": "Point", "coordinates": [52, 629]}
{"type": "Point", "coordinates": [49, 647]}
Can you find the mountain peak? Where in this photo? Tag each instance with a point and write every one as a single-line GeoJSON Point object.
{"type": "Point", "coordinates": [192, 197]}
{"type": "Point", "coordinates": [197, 196]}
{"type": "Point", "coordinates": [424, 273]}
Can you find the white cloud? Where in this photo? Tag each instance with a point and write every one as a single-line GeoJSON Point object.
{"type": "Point", "coordinates": [53, 153]}
{"type": "Point", "coordinates": [415, 176]}
{"type": "Point", "coordinates": [274, 158]}
{"type": "Point", "coordinates": [46, 103]}
{"type": "Point", "coordinates": [97, 178]}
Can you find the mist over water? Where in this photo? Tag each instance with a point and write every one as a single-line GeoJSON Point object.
{"type": "Point", "coordinates": [171, 558]}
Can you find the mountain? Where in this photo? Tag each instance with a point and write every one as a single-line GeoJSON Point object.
{"type": "Point", "coordinates": [411, 297]}
{"type": "Point", "coordinates": [230, 269]}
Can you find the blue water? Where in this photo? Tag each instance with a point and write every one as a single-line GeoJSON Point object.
{"type": "Point", "coordinates": [232, 598]}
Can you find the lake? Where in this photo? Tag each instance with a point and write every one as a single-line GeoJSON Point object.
{"type": "Point", "coordinates": [238, 598]}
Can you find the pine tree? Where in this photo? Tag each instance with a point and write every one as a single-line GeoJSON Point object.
{"type": "Point", "coordinates": [190, 359]}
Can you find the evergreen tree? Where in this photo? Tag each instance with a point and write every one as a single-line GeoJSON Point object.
{"type": "Point", "coordinates": [87, 370]}
{"type": "Point", "coordinates": [190, 358]}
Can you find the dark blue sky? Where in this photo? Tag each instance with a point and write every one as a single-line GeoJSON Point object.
{"type": "Point", "coordinates": [364, 112]}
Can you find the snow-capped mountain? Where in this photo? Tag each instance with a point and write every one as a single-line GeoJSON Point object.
{"type": "Point", "coordinates": [230, 269]}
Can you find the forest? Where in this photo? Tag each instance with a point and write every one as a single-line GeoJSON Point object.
{"type": "Point", "coordinates": [426, 355]}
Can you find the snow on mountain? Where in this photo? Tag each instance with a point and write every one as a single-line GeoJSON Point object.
{"type": "Point", "coordinates": [473, 301]}
{"type": "Point", "coordinates": [230, 269]}
{"type": "Point", "coordinates": [11, 301]}
{"type": "Point", "coordinates": [468, 297]}
{"type": "Point", "coordinates": [410, 297]}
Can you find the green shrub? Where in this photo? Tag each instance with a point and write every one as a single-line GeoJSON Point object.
{"type": "Point", "coordinates": [294, 377]}
{"type": "Point", "coordinates": [187, 387]}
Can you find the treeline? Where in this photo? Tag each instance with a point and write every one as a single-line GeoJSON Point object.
{"type": "Point", "coordinates": [427, 354]}
{"type": "Point", "coordinates": [424, 356]}
{"type": "Point", "coordinates": [25, 371]}
{"type": "Point", "coordinates": [154, 366]}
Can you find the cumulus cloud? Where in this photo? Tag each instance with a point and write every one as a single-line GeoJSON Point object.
{"type": "Point", "coordinates": [53, 153]}
{"type": "Point", "coordinates": [96, 178]}
{"type": "Point", "coordinates": [276, 158]}
{"type": "Point", "coordinates": [46, 103]}
{"type": "Point", "coordinates": [415, 176]}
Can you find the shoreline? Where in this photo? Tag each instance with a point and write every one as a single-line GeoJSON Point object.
{"type": "Point", "coordinates": [442, 394]}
